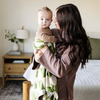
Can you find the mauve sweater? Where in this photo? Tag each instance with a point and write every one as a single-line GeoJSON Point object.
{"type": "Point", "coordinates": [62, 68]}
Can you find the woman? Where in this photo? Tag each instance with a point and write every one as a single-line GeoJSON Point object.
{"type": "Point", "coordinates": [72, 48]}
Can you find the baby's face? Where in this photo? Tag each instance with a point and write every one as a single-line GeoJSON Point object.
{"type": "Point", "coordinates": [44, 18]}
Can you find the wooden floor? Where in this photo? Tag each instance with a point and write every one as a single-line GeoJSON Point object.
{"type": "Point", "coordinates": [1, 83]}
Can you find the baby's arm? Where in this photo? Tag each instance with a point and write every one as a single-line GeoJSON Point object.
{"type": "Point", "coordinates": [47, 38]}
{"type": "Point", "coordinates": [46, 35]}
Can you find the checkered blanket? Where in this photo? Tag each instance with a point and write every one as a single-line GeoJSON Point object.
{"type": "Point", "coordinates": [45, 83]}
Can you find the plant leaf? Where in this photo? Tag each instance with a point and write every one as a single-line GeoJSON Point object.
{"type": "Point", "coordinates": [5, 30]}
{"type": "Point", "coordinates": [16, 42]}
{"type": "Point", "coordinates": [12, 40]}
{"type": "Point", "coordinates": [12, 34]}
{"type": "Point", "coordinates": [9, 32]}
{"type": "Point", "coordinates": [20, 40]}
{"type": "Point", "coordinates": [15, 37]}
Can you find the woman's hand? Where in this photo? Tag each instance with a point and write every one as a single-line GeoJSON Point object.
{"type": "Point", "coordinates": [44, 48]}
{"type": "Point", "coordinates": [38, 53]}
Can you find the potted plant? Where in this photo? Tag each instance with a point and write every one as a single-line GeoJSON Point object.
{"type": "Point", "coordinates": [12, 38]}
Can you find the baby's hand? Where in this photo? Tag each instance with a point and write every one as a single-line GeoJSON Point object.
{"type": "Point", "coordinates": [35, 51]}
{"type": "Point", "coordinates": [38, 53]}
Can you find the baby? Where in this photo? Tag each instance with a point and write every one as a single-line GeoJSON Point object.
{"type": "Point", "coordinates": [45, 83]}
{"type": "Point", "coordinates": [44, 34]}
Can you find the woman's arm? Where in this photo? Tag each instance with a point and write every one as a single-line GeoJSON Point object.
{"type": "Point", "coordinates": [58, 67]}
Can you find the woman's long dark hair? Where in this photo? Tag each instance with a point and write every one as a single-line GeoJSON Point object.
{"type": "Point", "coordinates": [72, 33]}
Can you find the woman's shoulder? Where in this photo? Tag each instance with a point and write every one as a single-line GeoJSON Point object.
{"type": "Point", "coordinates": [67, 50]}
{"type": "Point", "coordinates": [54, 31]}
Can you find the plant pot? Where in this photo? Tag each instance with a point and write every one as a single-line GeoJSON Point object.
{"type": "Point", "coordinates": [15, 47]}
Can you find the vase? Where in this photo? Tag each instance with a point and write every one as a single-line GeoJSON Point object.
{"type": "Point", "coordinates": [15, 47]}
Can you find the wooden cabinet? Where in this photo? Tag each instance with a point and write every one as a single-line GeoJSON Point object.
{"type": "Point", "coordinates": [10, 68]}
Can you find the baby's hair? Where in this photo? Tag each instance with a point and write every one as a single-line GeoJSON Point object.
{"type": "Point", "coordinates": [45, 8]}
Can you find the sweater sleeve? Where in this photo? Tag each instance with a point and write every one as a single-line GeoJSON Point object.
{"type": "Point", "coordinates": [58, 67]}
{"type": "Point", "coordinates": [35, 64]}
{"type": "Point", "coordinates": [47, 38]}
{"type": "Point", "coordinates": [45, 35]}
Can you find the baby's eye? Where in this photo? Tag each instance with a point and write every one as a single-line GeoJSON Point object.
{"type": "Point", "coordinates": [47, 19]}
{"type": "Point", "coordinates": [41, 18]}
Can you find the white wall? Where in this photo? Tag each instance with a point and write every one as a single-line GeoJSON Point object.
{"type": "Point", "coordinates": [15, 13]}
{"type": "Point", "coordinates": [1, 39]}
